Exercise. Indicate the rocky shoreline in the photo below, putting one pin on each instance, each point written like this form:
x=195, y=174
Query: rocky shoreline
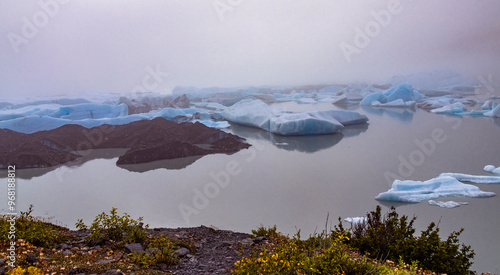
x=212, y=251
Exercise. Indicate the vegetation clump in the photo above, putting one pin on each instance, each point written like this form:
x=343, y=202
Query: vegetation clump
x=392, y=237
x=33, y=230
x=106, y=227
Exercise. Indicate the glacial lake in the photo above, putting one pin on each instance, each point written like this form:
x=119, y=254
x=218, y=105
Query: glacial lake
x=291, y=182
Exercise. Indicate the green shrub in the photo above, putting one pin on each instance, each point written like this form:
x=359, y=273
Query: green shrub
x=392, y=237
x=162, y=251
x=323, y=253
x=114, y=227
x=33, y=230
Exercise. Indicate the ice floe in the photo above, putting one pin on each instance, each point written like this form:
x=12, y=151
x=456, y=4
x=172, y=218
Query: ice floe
x=472, y=178
x=490, y=168
x=442, y=186
x=258, y=114
x=494, y=112
x=453, y=108
x=447, y=204
x=355, y=220
x=398, y=96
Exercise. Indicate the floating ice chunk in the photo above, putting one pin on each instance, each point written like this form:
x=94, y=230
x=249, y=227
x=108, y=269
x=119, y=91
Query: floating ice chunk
x=90, y=110
x=394, y=103
x=355, y=220
x=34, y=124
x=494, y=113
x=472, y=178
x=442, y=186
x=454, y=108
x=256, y=113
x=339, y=100
x=71, y=112
x=395, y=96
x=250, y=112
x=42, y=110
x=303, y=124
x=489, y=168
x=447, y=204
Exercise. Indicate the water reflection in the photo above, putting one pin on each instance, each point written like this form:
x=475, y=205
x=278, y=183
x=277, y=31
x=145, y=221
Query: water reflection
x=87, y=156
x=402, y=114
x=169, y=164
x=306, y=144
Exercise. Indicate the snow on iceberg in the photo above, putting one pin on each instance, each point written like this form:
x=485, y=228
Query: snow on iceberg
x=442, y=186
x=447, y=204
x=472, y=178
x=258, y=114
x=398, y=96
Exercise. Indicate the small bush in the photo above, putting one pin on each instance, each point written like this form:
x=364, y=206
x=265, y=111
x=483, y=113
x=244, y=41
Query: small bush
x=392, y=237
x=323, y=253
x=33, y=230
x=162, y=251
x=114, y=227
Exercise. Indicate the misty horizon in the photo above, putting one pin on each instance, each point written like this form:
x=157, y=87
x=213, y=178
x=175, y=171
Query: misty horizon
x=54, y=47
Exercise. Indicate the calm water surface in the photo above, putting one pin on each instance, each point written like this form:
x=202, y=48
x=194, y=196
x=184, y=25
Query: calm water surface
x=292, y=182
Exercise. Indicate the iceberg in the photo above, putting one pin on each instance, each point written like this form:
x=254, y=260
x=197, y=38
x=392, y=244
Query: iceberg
x=472, y=178
x=492, y=169
x=32, y=124
x=71, y=112
x=493, y=113
x=355, y=220
x=453, y=108
x=442, y=186
x=256, y=113
x=399, y=96
x=447, y=204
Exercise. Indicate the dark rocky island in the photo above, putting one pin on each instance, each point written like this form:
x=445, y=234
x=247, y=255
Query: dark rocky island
x=146, y=141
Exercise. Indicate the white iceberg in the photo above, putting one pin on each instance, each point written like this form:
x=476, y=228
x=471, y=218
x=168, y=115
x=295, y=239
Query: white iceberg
x=399, y=96
x=447, y=204
x=492, y=169
x=442, y=186
x=258, y=114
x=493, y=113
x=355, y=220
x=453, y=108
x=472, y=178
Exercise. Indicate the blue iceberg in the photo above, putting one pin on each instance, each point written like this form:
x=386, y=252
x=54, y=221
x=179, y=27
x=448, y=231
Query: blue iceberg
x=256, y=113
x=399, y=96
x=442, y=186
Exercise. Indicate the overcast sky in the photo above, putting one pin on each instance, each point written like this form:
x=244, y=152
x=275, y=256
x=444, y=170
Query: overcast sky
x=50, y=47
